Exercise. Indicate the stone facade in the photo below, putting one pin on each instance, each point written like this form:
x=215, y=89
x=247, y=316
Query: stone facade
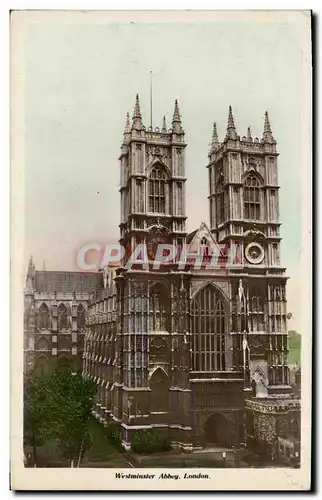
x=192, y=349
x=55, y=318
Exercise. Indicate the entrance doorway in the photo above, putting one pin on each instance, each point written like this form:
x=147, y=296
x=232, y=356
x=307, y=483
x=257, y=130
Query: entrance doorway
x=218, y=431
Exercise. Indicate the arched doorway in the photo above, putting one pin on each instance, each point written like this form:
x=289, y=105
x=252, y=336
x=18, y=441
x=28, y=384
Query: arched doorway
x=218, y=431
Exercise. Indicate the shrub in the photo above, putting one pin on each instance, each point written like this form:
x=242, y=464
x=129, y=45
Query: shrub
x=113, y=435
x=150, y=441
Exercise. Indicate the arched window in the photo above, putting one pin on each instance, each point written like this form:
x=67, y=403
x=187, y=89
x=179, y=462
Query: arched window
x=42, y=365
x=62, y=317
x=158, y=309
x=63, y=343
x=256, y=308
x=42, y=344
x=43, y=316
x=80, y=317
x=251, y=198
x=157, y=182
x=204, y=247
x=208, y=321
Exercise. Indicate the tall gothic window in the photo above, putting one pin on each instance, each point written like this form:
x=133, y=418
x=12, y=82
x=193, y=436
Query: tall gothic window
x=158, y=309
x=62, y=317
x=43, y=316
x=256, y=308
x=80, y=317
x=252, y=198
x=157, y=191
x=220, y=202
x=208, y=321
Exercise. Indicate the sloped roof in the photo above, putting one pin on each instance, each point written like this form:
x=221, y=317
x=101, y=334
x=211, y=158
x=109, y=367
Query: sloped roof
x=190, y=236
x=67, y=281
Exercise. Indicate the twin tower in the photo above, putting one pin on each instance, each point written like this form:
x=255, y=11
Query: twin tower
x=243, y=187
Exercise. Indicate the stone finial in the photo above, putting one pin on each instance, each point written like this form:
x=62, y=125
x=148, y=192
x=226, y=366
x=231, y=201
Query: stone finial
x=137, y=117
x=231, y=129
x=267, y=134
x=164, y=125
x=249, y=134
x=176, y=113
x=214, y=140
x=127, y=128
x=137, y=110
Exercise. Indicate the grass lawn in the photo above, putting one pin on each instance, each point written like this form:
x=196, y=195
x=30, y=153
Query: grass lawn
x=118, y=462
x=182, y=461
x=101, y=448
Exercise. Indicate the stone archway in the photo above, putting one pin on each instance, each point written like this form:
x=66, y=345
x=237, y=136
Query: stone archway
x=218, y=431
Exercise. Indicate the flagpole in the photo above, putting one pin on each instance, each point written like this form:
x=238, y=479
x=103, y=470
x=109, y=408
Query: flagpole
x=151, y=123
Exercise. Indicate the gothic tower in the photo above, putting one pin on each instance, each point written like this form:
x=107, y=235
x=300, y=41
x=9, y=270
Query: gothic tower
x=244, y=215
x=152, y=182
x=152, y=386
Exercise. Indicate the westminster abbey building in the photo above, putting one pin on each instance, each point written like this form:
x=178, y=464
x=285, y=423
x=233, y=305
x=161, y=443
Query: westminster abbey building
x=195, y=349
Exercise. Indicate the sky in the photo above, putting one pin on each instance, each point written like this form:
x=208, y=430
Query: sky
x=81, y=79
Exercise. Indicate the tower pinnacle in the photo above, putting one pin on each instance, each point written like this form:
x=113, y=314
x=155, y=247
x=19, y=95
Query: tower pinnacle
x=231, y=129
x=137, y=117
x=214, y=140
x=164, y=125
x=249, y=134
x=267, y=134
x=127, y=128
x=176, y=113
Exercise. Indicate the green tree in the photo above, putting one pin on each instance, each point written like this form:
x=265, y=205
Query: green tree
x=70, y=407
x=36, y=421
x=58, y=407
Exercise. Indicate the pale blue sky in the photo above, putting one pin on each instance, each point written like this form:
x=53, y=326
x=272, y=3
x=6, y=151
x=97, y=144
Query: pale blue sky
x=82, y=79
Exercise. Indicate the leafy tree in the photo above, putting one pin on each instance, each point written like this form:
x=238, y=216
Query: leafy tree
x=58, y=407
x=70, y=406
x=36, y=422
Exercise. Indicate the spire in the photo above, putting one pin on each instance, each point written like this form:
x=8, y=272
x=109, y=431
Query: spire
x=137, y=111
x=127, y=128
x=176, y=113
x=137, y=117
x=249, y=134
x=164, y=125
x=231, y=129
x=267, y=134
x=214, y=141
x=31, y=265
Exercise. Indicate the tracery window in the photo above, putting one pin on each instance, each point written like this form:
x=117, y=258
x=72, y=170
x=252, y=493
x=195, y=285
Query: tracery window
x=62, y=317
x=252, y=198
x=158, y=309
x=157, y=182
x=81, y=317
x=256, y=308
x=220, y=202
x=208, y=320
x=43, y=316
x=204, y=246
